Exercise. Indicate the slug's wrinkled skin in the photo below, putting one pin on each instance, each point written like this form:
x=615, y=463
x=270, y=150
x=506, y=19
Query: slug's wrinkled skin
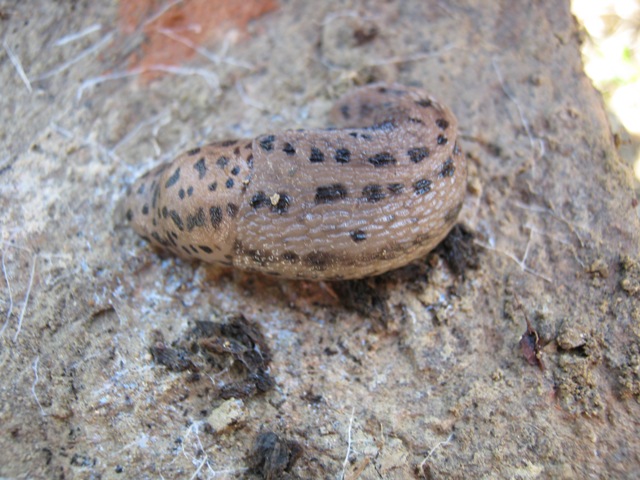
x=380, y=191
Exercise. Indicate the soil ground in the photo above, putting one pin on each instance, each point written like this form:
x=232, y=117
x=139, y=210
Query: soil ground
x=121, y=362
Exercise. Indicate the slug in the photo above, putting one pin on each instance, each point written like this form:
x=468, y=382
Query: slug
x=376, y=193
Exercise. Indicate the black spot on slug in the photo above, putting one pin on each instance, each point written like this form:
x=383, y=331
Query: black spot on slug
x=416, y=155
x=205, y=249
x=283, y=203
x=181, y=193
x=215, y=213
x=229, y=183
x=189, y=191
x=330, y=193
x=358, y=236
x=129, y=215
x=442, y=140
x=222, y=162
x=416, y=120
x=343, y=155
x=266, y=143
x=235, y=170
x=422, y=186
x=373, y=193
x=344, y=110
x=173, y=179
x=447, y=169
x=232, y=210
x=165, y=212
x=382, y=159
x=395, y=188
x=288, y=149
x=316, y=155
x=140, y=189
x=442, y=124
x=201, y=168
x=193, y=151
x=145, y=209
x=213, y=186
x=259, y=200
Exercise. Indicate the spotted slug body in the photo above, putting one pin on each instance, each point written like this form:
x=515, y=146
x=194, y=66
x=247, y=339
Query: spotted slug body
x=380, y=191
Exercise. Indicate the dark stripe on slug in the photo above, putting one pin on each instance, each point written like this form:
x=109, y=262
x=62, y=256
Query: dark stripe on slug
x=330, y=193
x=316, y=155
x=140, y=189
x=201, y=168
x=382, y=159
x=416, y=155
x=373, y=193
x=196, y=220
x=194, y=151
x=173, y=179
x=266, y=143
x=426, y=103
x=422, y=186
x=452, y=214
x=212, y=186
x=205, y=249
x=175, y=216
x=318, y=260
x=228, y=143
x=289, y=257
x=232, y=209
x=215, y=213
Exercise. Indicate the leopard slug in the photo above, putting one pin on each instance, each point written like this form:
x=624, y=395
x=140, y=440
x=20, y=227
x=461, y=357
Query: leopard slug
x=381, y=190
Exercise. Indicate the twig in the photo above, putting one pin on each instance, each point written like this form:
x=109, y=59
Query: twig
x=438, y=445
x=26, y=298
x=210, y=77
x=346, y=457
x=18, y=66
x=33, y=385
x=520, y=263
x=216, y=59
x=523, y=119
x=72, y=37
x=61, y=68
x=160, y=12
x=6, y=277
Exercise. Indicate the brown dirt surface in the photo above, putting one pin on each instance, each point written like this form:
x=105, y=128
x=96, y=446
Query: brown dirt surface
x=121, y=362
